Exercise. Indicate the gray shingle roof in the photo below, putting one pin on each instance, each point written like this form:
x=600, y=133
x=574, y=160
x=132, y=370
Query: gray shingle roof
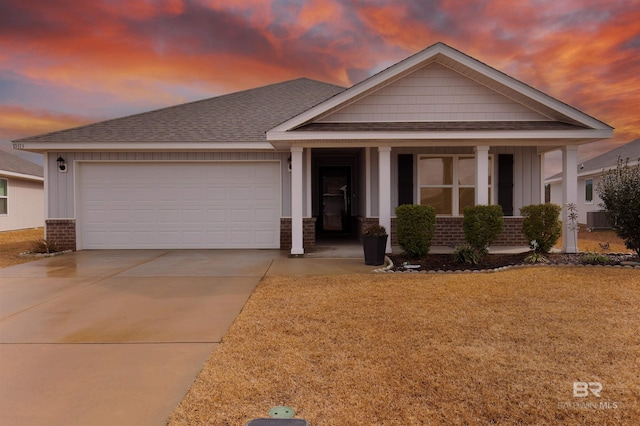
x=236, y=117
x=15, y=164
x=629, y=151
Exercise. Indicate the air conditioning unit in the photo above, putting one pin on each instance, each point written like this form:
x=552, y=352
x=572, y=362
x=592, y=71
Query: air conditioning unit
x=597, y=220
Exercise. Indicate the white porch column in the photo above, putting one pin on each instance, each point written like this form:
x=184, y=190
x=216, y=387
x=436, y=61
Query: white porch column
x=569, y=195
x=482, y=174
x=384, y=191
x=296, y=201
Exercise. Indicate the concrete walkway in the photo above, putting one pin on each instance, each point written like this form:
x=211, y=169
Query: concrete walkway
x=117, y=337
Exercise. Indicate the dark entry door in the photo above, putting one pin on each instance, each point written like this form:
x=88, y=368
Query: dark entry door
x=505, y=183
x=335, y=199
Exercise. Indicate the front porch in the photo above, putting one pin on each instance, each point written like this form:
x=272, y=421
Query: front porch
x=438, y=128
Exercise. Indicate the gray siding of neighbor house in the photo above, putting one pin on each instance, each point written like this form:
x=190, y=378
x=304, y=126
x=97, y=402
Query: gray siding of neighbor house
x=61, y=185
x=583, y=206
x=25, y=204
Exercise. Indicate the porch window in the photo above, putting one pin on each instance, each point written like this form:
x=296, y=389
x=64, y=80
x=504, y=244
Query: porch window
x=447, y=183
x=588, y=190
x=3, y=196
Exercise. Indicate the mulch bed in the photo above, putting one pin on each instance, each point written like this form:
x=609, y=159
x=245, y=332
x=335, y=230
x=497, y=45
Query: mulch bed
x=444, y=262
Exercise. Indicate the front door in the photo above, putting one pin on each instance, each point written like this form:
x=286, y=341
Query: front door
x=335, y=199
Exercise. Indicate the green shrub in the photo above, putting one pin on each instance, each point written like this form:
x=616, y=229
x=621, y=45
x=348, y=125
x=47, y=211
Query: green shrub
x=482, y=225
x=619, y=190
x=466, y=254
x=415, y=227
x=593, y=258
x=542, y=224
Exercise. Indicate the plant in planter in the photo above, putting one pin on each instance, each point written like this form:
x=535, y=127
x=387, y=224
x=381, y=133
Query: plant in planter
x=374, y=243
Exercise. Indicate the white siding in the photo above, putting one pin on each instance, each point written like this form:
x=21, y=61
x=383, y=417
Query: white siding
x=434, y=93
x=25, y=204
x=61, y=185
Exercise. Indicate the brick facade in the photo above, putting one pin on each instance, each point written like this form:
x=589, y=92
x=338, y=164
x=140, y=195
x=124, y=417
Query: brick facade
x=308, y=232
x=449, y=231
x=62, y=233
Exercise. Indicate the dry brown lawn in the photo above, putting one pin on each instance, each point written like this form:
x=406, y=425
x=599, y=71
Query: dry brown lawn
x=12, y=243
x=416, y=349
x=590, y=241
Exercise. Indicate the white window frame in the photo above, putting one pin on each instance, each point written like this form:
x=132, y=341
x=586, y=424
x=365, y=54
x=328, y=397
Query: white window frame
x=6, y=196
x=586, y=200
x=455, y=186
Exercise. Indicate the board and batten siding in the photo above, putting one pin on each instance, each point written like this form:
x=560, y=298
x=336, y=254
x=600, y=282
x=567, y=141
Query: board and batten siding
x=25, y=204
x=434, y=93
x=61, y=185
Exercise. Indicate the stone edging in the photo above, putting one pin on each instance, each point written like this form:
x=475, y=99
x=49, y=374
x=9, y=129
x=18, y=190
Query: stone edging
x=57, y=253
x=387, y=269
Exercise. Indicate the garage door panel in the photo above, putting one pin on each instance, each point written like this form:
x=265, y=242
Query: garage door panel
x=174, y=205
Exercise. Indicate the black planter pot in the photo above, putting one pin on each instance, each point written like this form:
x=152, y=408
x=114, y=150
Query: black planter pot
x=374, y=248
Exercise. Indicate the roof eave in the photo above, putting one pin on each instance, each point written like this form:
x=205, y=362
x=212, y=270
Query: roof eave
x=584, y=136
x=42, y=147
x=6, y=173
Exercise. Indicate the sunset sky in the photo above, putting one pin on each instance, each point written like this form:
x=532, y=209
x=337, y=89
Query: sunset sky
x=65, y=63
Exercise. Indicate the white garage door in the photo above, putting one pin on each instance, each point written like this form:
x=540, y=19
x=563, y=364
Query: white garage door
x=178, y=205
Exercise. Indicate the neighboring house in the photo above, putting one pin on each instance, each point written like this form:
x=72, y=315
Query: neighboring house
x=21, y=193
x=282, y=165
x=589, y=174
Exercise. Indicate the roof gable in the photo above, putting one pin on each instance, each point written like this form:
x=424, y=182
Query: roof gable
x=453, y=60
x=434, y=93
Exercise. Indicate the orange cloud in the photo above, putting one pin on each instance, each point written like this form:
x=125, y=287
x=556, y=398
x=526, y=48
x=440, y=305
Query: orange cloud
x=163, y=52
x=16, y=122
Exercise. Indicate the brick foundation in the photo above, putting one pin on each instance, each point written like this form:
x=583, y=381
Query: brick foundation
x=62, y=233
x=449, y=231
x=308, y=232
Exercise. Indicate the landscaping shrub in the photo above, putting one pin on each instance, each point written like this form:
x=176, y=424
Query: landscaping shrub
x=542, y=224
x=593, y=258
x=482, y=225
x=467, y=255
x=43, y=246
x=619, y=190
x=416, y=226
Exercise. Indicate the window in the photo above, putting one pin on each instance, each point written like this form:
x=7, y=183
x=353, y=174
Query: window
x=447, y=183
x=588, y=190
x=3, y=196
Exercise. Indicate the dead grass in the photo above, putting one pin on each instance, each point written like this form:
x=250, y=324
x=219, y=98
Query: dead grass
x=12, y=243
x=429, y=349
x=590, y=241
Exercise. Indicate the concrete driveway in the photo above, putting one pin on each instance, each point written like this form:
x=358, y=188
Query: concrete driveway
x=115, y=337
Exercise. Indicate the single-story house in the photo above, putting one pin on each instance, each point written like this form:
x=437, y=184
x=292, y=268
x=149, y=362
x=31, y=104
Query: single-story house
x=282, y=165
x=21, y=193
x=589, y=175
